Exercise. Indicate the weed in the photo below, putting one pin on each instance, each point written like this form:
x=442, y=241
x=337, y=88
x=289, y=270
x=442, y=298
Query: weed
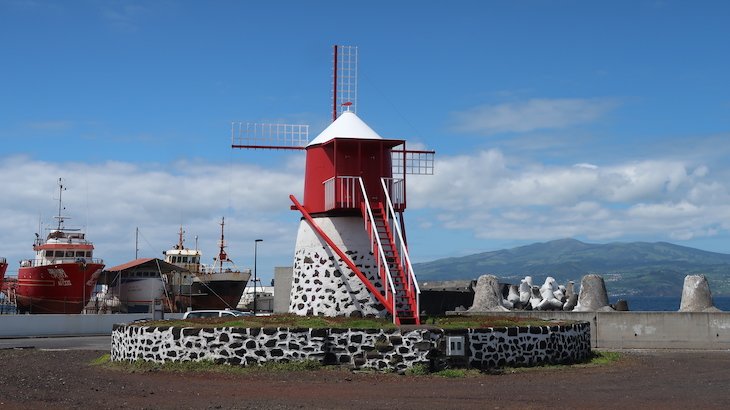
x=419, y=369
x=457, y=373
x=102, y=360
x=600, y=358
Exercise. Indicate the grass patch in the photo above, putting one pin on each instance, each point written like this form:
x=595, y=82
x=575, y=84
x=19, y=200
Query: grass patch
x=457, y=373
x=279, y=320
x=480, y=322
x=203, y=366
x=598, y=358
x=102, y=360
x=418, y=370
x=322, y=322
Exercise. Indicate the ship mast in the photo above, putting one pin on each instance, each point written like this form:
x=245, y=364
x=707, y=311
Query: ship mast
x=61, y=188
x=222, y=256
x=180, y=239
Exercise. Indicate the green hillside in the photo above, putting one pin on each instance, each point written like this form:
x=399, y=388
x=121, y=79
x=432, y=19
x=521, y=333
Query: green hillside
x=656, y=269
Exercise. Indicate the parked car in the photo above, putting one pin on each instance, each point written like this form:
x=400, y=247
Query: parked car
x=194, y=314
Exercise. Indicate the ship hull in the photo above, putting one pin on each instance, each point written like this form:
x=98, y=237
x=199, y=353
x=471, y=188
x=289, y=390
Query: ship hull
x=57, y=288
x=212, y=294
x=3, y=268
x=136, y=295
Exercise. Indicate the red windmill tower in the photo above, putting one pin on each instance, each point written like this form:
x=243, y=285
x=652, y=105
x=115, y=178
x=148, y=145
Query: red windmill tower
x=351, y=255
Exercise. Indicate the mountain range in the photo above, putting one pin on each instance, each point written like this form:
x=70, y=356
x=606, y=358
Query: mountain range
x=636, y=268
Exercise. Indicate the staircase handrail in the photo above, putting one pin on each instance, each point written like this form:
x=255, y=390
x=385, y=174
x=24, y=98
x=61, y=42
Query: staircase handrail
x=402, y=246
x=382, y=260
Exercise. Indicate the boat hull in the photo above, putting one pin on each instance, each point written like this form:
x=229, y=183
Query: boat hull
x=212, y=294
x=136, y=295
x=57, y=288
x=3, y=268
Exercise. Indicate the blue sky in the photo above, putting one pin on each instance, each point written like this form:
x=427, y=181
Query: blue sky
x=602, y=121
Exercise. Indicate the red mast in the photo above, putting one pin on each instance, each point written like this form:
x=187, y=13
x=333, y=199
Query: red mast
x=222, y=256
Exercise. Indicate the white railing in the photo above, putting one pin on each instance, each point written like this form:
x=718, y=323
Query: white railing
x=43, y=262
x=342, y=192
x=381, y=262
x=348, y=192
x=395, y=187
x=390, y=217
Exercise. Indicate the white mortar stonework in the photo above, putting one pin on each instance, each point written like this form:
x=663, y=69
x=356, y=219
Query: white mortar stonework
x=322, y=284
x=528, y=345
x=380, y=349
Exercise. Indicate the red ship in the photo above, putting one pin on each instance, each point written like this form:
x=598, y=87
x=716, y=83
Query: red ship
x=3, y=268
x=63, y=274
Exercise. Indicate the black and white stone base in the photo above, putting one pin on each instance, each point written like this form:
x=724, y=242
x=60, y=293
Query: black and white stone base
x=322, y=284
x=380, y=349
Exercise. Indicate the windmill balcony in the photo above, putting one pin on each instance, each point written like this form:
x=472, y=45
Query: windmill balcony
x=344, y=192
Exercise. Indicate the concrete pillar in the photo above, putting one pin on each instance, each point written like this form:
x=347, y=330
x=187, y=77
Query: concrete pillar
x=696, y=295
x=593, y=295
x=487, y=297
x=282, y=288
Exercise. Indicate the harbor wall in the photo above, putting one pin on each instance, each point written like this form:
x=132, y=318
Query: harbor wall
x=12, y=326
x=644, y=330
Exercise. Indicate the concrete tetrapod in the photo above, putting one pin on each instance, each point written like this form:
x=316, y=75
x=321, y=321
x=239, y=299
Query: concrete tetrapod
x=696, y=295
x=593, y=295
x=487, y=297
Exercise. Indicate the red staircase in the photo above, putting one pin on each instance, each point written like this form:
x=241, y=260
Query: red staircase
x=391, y=267
x=399, y=292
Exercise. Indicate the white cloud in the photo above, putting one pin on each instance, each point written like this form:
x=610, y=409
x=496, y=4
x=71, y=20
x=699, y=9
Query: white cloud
x=111, y=199
x=124, y=15
x=530, y=115
x=497, y=197
x=485, y=195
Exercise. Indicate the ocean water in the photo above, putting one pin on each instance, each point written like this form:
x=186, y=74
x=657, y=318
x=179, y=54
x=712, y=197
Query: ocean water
x=664, y=303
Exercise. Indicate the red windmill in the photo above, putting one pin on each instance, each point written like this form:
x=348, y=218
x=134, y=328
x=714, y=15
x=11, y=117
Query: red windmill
x=351, y=256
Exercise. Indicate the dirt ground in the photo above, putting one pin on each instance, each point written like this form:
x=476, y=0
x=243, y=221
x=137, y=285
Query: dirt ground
x=33, y=378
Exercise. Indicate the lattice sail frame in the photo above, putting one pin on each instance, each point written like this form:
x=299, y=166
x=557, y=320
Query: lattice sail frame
x=411, y=162
x=344, y=90
x=256, y=135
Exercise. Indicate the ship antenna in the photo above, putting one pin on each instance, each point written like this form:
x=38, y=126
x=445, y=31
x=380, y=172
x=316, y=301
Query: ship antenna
x=180, y=239
x=136, y=243
x=61, y=188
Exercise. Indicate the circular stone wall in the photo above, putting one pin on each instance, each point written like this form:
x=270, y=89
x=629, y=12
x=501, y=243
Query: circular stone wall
x=382, y=349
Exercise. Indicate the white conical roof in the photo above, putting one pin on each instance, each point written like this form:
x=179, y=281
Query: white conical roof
x=347, y=125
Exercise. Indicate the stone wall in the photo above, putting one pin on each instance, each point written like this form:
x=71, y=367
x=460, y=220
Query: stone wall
x=322, y=284
x=380, y=349
x=528, y=345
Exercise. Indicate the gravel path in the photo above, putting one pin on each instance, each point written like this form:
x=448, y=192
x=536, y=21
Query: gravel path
x=33, y=378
